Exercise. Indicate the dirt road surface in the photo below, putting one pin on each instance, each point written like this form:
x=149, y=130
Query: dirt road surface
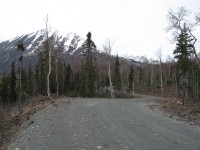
x=108, y=124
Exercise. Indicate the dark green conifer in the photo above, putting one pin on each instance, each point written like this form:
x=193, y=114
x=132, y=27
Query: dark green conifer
x=130, y=80
x=82, y=78
x=30, y=83
x=13, y=94
x=183, y=51
x=117, y=76
x=90, y=68
x=68, y=79
x=21, y=48
x=182, y=54
x=4, y=90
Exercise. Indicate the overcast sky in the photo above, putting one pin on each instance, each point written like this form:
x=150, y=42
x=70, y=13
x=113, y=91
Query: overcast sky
x=136, y=26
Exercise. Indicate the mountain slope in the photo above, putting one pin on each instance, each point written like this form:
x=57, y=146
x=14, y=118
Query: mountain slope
x=33, y=43
x=70, y=50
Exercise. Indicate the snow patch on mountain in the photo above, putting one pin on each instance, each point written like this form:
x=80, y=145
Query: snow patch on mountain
x=38, y=34
x=70, y=42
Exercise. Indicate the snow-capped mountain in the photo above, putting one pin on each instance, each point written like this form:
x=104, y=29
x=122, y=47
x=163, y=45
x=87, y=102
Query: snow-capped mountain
x=70, y=43
x=70, y=50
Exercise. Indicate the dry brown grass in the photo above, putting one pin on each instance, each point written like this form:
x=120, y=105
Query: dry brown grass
x=189, y=112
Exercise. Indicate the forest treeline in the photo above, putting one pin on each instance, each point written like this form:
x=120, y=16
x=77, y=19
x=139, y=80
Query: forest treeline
x=178, y=76
x=88, y=80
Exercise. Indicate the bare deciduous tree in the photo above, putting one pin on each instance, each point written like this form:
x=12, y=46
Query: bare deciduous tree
x=159, y=55
x=56, y=52
x=153, y=62
x=108, y=48
x=197, y=18
x=49, y=55
x=56, y=61
x=177, y=22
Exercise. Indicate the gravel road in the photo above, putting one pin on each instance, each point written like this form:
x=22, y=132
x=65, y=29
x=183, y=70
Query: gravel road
x=108, y=124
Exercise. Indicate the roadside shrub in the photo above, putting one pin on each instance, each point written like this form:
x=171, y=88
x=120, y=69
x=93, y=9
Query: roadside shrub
x=121, y=94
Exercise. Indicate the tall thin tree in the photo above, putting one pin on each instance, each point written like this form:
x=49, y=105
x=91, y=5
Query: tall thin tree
x=89, y=53
x=13, y=94
x=108, y=48
x=49, y=56
x=117, y=76
x=159, y=55
x=131, y=82
x=21, y=48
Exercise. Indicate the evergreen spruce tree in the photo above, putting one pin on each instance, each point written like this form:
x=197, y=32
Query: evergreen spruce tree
x=182, y=55
x=23, y=85
x=8, y=89
x=52, y=80
x=0, y=91
x=77, y=84
x=37, y=79
x=42, y=72
x=4, y=90
x=82, y=83
x=90, y=69
x=21, y=48
x=13, y=94
x=117, y=76
x=68, y=79
x=30, y=83
x=183, y=51
x=61, y=77
x=130, y=80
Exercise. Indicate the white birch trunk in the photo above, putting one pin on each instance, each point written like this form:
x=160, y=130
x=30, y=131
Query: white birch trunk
x=108, y=47
x=49, y=54
x=161, y=78
x=110, y=80
x=48, y=75
x=57, y=88
x=159, y=54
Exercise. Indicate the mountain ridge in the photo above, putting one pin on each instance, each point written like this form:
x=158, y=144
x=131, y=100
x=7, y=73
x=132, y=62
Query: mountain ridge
x=70, y=50
x=70, y=44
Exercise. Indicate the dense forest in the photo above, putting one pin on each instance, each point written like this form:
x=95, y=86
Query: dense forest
x=178, y=76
